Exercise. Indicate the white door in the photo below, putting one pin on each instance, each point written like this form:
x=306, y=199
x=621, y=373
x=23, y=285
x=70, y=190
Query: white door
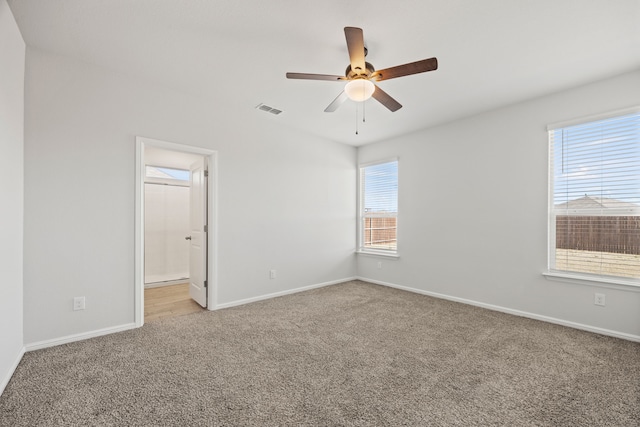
x=198, y=224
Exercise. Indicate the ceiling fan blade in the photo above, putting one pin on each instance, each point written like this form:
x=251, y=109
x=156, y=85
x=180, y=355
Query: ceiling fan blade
x=336, y=102
x=406, y=69
x=355, y=45
x=385, y=99
x=306, y=76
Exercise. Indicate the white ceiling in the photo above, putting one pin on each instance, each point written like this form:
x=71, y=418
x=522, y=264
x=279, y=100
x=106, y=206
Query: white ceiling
x=491, y=52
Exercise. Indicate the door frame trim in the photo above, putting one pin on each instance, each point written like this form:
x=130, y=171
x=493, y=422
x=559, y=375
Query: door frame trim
x=212, y=221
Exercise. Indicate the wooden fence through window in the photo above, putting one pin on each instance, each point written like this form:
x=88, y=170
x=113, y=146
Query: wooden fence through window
x=380, y=232
x=615, y=234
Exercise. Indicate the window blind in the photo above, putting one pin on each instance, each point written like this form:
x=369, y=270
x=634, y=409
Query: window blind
x=379, y=206
x=595, y=197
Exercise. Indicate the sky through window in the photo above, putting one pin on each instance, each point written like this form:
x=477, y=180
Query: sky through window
x=598, y=159
x=381, y=188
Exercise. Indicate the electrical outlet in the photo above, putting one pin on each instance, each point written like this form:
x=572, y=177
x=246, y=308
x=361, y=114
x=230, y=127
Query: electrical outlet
x=272, y=274
x=78, y=303
x=599, y=300
x=379, y=264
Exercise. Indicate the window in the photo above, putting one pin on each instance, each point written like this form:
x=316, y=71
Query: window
x=594, y=221
x=378, y=226
x=167, y=176
x=167, y=173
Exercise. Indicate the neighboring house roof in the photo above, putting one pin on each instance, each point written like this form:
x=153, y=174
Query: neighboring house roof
x=588, y=202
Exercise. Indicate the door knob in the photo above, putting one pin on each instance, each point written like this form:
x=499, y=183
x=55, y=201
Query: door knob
x=187, y=238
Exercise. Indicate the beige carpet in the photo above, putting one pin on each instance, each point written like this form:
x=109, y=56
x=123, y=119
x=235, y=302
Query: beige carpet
x=353, y=354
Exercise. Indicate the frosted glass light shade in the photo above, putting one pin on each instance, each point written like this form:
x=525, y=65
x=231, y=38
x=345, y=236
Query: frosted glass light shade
x=359, y=90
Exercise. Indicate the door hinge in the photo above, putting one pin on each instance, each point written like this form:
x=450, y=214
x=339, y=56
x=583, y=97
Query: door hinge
x=206, y=229
x=206, y=172
x=205, y=284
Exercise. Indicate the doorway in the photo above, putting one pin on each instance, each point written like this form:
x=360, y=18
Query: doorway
x=175, y=229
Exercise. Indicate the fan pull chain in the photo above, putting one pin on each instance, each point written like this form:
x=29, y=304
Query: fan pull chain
x=356, y=118
x=363, y=102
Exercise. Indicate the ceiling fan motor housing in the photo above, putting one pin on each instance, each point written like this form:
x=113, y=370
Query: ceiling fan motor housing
x=359, y=73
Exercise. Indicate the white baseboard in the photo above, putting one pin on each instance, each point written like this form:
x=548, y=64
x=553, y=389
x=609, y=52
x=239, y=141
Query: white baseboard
x=78, y=337
x=279, y=294
x=165, y=283
x=575, y=325
x=12, y=369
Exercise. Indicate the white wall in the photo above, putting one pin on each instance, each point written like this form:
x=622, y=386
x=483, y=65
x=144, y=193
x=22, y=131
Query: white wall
x=473, y=201
x=12, y=57
x=473, y=210
x=286, y=201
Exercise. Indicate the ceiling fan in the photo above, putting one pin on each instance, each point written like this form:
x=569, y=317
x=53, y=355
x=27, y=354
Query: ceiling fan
x=360, y=75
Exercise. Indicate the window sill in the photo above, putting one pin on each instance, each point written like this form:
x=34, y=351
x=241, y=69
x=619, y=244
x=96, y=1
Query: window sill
x=632, y=285
x=378, y=254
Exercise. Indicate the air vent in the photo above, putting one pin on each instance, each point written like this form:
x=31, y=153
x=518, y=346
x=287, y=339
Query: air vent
x=268, y=109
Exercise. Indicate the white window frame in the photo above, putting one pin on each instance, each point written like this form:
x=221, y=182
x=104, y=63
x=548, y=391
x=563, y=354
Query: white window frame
x=361, y=249
x=614, y=282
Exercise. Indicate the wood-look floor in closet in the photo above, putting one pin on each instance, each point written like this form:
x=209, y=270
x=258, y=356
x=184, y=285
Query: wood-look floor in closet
x=168, y=301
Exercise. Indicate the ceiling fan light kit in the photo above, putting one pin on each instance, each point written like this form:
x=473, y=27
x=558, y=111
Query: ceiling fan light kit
x=360, y=75
x=359, y=90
